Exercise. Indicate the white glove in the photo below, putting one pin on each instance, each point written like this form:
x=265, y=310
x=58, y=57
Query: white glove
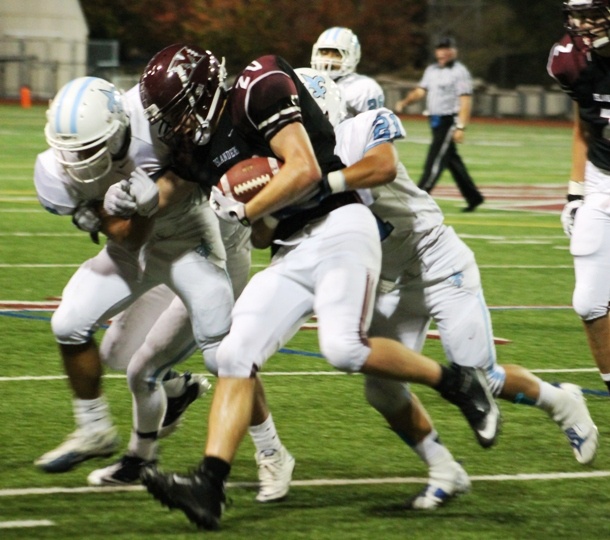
x=145, y=192
x=228, y=209
x=568, y=215
x=118, y=201
x=87, y=219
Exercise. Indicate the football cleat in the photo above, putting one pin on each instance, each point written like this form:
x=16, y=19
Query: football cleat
x=79, y=446
x=197, y=495
x=572, y=416
x=445, y=483
x=195, y=386
x=124, y=472
x=470, y=392
x=274, y=474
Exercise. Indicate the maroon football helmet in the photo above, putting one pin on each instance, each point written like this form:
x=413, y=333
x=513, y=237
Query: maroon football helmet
x=588, y=19
x=183, y=88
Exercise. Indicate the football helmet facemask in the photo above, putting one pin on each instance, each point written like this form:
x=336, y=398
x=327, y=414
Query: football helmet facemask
x=182, y=87
x=345, y=43
x=326, y=92
x=86, y=126
x=588, y=19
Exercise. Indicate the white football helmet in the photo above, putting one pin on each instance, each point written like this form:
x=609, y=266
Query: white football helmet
x=326, y=92
x=86, y=127
x=339, y=39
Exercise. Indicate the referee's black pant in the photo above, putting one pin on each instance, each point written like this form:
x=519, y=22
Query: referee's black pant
x=442, y=154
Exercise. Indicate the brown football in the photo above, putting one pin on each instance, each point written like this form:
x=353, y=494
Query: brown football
x=245, y=179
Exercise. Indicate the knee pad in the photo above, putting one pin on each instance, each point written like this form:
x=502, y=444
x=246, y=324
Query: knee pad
x=67, y=329
x=233, y=358
x=386, y=396
x=348, y=355
x=588, y=305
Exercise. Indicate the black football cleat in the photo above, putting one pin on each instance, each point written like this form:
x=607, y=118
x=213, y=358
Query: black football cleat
x=197, y=495
x=469, y=391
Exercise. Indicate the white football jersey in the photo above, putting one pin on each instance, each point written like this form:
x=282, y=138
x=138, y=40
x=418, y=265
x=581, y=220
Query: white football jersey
x=411, y=212
x=60, y=194
x=361, y=93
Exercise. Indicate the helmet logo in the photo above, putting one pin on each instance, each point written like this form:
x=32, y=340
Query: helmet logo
x=184, y=62
x=316, y=85
x=114, y=105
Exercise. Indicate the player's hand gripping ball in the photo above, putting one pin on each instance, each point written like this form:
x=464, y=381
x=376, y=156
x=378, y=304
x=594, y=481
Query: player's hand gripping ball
x=245, y=179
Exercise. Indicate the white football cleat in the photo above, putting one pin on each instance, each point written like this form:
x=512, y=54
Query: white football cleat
x=445, y=483
x=274, y=474
x=79, y=446
x=572, y=416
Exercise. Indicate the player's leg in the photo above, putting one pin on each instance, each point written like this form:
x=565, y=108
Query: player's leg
x=458, y=307
x=590, y=247
x=95, y=292
x=345, y=278
x=405, y=319
x=268, y=313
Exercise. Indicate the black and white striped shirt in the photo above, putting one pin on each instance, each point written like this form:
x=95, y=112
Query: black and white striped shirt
x=444, y=86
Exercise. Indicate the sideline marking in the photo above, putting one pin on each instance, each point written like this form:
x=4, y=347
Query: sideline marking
x=519, y=477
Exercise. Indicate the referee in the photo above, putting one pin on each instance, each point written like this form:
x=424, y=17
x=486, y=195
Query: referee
x=447, y=85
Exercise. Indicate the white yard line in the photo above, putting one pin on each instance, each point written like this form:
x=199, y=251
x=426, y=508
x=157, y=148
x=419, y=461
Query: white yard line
x=322, y=482
x=28, y=523
x=34, y=378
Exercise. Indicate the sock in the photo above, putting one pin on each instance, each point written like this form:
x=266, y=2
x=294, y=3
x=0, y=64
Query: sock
x=431, y=451
x=92, y=414
x=215, y=468
x=265, y=437
x=549, y=397
x=448, y=380
x=606, y=379
x=143, y=445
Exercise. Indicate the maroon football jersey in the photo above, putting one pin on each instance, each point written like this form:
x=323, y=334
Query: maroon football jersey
x=585, y=77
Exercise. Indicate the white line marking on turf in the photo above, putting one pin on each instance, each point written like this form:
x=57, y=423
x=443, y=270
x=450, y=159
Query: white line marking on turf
x=279, y=374
x=39, y=265
x=26, y=523
x=519, y=477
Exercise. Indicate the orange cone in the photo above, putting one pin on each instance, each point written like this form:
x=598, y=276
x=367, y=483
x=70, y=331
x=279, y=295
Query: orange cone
x=26, y=97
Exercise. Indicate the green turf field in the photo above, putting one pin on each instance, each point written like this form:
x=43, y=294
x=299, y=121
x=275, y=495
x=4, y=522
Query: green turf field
x=352, y=473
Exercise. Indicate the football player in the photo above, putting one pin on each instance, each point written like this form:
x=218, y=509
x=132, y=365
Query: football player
x=428, y=273
x=580, y=63
x=337, y=52
x=325, y=244
x=99, y=136
x=95, y=140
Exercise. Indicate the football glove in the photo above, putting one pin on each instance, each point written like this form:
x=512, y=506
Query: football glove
x=228, y=209
x=118, y=201
x=145, y=192
x=568, y=215
x=87, y=219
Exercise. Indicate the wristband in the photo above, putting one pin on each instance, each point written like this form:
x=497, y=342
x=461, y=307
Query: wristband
x=460, y=127
x=336, y=181
x=576, y=190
